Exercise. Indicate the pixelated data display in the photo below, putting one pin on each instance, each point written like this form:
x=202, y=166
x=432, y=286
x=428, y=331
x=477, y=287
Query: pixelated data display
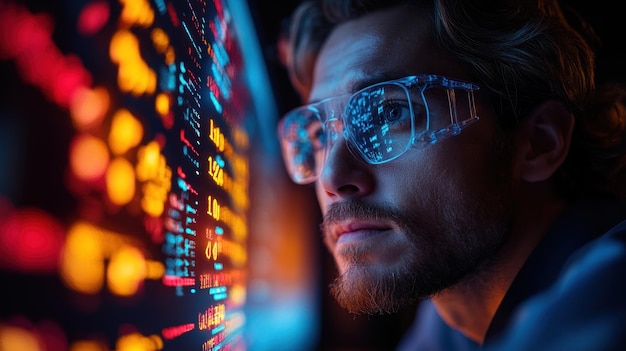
x=153, y=253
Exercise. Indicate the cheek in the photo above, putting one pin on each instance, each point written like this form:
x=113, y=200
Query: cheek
x=438, y=173
x=421, y=169
x=411, y=184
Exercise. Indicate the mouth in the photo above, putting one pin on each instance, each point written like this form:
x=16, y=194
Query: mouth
x=348, y=230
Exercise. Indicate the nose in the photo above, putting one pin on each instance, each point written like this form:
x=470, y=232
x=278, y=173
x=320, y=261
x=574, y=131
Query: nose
x=343, y=174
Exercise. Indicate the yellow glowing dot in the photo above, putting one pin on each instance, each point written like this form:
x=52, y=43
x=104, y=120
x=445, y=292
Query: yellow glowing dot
x=138, y=342
x=130, y=75
x=134, y=75
x=123, y=46
x=89, y=157
x=149, y=157
x=156, y=340
x=15, y=338
x=120, y=181
x=130, y=11
x=154, y=270
x=160, y=39
x=88, y=345
x=238, y=294
x=82, y=266
x=153, y=200
x=137, y=12
x=127, y=270
x=89, y=107
x=170, y=56
x=149, y=82
x=126, y=132
x=162, y=104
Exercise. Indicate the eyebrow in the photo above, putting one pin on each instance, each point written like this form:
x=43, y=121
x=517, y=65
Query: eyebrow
x=371, y=79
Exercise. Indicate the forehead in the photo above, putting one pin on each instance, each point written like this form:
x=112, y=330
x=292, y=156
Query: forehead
x=384, y=45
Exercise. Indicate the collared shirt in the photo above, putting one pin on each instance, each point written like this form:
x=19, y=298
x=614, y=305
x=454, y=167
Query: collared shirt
x=569, y=295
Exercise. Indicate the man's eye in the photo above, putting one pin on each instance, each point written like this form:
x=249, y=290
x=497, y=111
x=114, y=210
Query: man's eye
x=394, y=112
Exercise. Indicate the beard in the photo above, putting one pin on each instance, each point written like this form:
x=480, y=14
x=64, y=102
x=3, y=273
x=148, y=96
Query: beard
x=449, y=240
x=439, y=256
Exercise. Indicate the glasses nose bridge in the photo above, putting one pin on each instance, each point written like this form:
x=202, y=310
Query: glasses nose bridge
x=334, y=129
x=334, y=111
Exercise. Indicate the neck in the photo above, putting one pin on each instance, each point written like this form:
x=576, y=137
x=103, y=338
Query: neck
x=470, y=305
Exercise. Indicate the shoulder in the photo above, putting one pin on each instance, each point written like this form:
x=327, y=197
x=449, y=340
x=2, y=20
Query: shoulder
x=597, y=269
x=607, y=251
x=584, y=308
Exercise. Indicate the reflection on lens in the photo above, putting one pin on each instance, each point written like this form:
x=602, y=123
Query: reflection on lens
x=379, y=122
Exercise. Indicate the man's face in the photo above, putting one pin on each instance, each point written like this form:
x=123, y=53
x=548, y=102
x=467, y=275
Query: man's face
x=406, y=229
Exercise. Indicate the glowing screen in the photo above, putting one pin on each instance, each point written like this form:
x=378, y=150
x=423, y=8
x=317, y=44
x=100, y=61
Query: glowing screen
x=138, y=236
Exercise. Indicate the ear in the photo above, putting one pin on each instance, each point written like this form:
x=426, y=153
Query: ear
x=544, y=139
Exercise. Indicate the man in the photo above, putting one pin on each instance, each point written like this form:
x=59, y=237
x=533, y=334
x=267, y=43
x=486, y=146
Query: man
x=462, y=156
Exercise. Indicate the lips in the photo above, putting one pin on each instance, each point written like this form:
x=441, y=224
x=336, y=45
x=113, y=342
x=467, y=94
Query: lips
x=357, y=227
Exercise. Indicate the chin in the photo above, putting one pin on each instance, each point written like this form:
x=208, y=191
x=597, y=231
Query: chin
x=373, y=288
x=373, y=259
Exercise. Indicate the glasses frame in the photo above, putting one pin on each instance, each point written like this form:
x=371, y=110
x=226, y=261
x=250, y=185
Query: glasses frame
x=333, y=120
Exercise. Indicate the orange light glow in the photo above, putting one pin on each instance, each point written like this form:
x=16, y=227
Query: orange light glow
x=88, y=345
x=152, y=201
x=236, y=221
x=126, y=271
x=138, y=12
x=82, y=266
x=162, y=104
x=126, y=132
x=86, y=252
x=160, y=39
x=238, y=294
x=89, y=107
x=89, y=157
x=170, y=56
x=124, y=46
x=120, y=181
x=149, y=161
x=20, y=333
x=138, y=342
x=15, y=338
x=134, y=75
x=154, y=270
x=214, y=249
x=156, y=176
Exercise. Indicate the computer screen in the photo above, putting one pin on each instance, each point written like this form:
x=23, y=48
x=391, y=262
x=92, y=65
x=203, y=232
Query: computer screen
x=142, y=195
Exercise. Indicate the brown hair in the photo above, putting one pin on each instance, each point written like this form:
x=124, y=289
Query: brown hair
x=522, y=52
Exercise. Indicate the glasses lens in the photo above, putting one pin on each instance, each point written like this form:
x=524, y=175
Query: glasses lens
x=303, y=140
x=378, y=122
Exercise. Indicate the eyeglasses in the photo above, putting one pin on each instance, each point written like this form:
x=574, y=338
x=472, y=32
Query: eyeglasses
x=379, y=123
